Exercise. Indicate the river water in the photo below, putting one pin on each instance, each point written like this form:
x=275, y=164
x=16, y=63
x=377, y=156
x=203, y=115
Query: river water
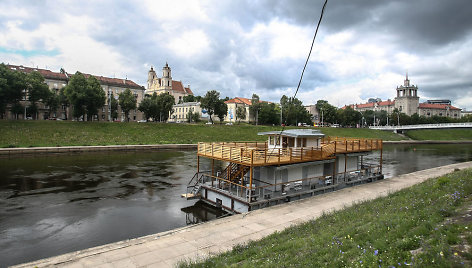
x=50, y=205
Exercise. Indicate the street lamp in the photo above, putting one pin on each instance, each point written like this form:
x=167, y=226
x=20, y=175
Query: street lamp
x=322, y=122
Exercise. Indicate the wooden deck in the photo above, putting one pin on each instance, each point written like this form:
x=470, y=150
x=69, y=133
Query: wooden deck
x=257, y=153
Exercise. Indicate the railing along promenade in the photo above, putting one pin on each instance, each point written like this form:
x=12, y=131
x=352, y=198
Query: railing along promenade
x=258, y=154
x=424, y=126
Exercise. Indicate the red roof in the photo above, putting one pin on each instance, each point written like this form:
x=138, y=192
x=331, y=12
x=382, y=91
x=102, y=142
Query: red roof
x=246, y=101
x=437, y=106
x=179, y=87
x=47, y=74
x=371, y=104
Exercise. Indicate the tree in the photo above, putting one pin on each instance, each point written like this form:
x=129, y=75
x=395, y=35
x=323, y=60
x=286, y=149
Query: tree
x=349, y=117
x=17, y=109
x=165, y=102
x=95, y=97
x=293, y=111
x=240, y=113
x=255, y=107
x=12, y=87
x=127, y=102
x=147, y=107
x=269, y=114
x=37, y=91
x=113, y=108
x=76, y=94
x=327, y=111
x=189, y=98
x=210, y=102
x=64, y=101
x=221, y=110
x=52, y=102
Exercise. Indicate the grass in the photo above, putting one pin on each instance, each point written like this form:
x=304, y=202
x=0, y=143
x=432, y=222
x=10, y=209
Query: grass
x=440, y=134
x=427, y=225
x=66, y=133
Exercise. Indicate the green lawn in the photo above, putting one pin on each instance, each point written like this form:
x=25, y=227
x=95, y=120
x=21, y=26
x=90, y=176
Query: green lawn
x=427, y=225
x=440, y=134
x=66, y=133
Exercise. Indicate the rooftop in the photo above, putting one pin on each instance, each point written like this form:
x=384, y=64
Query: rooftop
x=296, y=133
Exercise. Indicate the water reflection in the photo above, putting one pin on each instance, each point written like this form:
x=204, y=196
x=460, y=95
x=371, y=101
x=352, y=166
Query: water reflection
x=51, y=205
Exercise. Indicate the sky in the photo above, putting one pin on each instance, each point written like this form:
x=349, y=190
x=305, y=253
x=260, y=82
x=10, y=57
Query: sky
x=363, y=48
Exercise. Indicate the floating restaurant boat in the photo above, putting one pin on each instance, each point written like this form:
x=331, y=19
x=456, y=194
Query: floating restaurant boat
x=290, y=165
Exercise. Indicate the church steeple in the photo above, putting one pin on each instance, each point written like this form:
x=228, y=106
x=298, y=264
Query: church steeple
x=406, y=83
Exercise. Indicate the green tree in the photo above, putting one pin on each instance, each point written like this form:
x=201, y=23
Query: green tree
x=165, y=102
x=240, y=113
x=12, y=87
x=210, y=102
x=349, y=116
x=221, y=110
x=37, y=91
x=113, y=108
x=189, y=98
x=53, y=102
x=127, y=102
x=95, y=97
x=17, y=109
x=76, y=93
x=293, y=111
x=255, y=107
x=327, y=111
x=269, y=114
x=148, y=107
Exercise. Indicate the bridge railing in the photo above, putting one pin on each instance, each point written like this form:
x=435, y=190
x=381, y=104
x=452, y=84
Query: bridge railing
x=421, y=126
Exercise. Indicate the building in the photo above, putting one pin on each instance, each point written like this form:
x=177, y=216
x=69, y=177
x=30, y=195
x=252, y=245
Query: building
x=58, y=80
x=233, y=105
x=407, y=102
x=165, y=84
x=315, y=114
x=181, y=111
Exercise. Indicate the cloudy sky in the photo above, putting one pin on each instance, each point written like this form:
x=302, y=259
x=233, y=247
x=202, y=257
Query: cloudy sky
x=363, y=48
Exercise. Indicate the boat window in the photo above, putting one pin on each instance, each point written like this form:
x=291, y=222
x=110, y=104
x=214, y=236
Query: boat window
x=277, y=140
x=271, y=140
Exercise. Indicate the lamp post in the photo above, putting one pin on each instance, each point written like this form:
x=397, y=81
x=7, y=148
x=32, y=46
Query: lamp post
x=322, y=122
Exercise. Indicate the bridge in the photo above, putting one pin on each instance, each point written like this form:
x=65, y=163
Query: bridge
x=400, y=129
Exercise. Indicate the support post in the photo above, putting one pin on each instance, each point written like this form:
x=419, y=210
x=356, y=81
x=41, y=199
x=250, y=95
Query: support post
x=198, y=163
x=381, y=152
x=250, y=183
x=345, y=166
x=212, y=171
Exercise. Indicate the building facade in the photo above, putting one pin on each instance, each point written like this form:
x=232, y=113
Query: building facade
x=165, y=84
x=407, y=102
x=180, y=112
x=233, y=105
x=58, y=80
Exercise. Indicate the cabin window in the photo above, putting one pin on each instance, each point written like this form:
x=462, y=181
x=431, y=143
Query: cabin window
x=271, y=140
x=277, y=140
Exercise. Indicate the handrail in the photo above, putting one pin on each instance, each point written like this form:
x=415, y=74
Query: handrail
x=257, y=153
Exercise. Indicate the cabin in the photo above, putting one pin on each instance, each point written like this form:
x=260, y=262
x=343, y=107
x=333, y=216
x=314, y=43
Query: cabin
x=292, y=164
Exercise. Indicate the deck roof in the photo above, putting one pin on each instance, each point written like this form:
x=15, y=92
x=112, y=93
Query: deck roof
x=296, y=133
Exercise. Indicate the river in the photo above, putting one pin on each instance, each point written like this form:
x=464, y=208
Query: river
x=50, y=205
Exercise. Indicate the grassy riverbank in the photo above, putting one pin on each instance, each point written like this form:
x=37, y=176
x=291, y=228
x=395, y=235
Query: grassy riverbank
x=440, y=134
x=427, y=225
x=64, y=133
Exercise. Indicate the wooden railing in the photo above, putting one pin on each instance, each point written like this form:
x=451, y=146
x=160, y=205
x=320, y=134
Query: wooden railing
x=257, y=153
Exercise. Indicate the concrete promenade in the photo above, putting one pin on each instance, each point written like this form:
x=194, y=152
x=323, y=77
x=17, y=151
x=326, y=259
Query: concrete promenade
x=198, y=241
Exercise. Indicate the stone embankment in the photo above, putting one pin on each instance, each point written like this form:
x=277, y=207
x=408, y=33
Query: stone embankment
x=81, y=149
x=199, y=241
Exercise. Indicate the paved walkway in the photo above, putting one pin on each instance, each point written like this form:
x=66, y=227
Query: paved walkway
x=198, y=241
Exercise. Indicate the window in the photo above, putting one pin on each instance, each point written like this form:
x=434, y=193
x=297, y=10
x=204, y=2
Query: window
x=271, y=140
x=440, y=114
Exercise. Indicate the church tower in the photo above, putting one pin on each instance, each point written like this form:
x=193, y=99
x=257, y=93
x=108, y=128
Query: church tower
x=151, y=78
x=166, y=80
x=407, y=100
